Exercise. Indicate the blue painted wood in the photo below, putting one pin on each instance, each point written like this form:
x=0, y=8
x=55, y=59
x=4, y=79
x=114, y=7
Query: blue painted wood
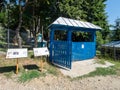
x=51, y=42
x=69, y=50
x=64, y=52
x=61, y=54
x=94, y=37
x=83, y=50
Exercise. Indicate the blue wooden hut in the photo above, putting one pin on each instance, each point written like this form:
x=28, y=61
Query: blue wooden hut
x=65, y=50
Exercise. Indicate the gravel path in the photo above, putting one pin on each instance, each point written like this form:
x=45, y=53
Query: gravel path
x=62, y=83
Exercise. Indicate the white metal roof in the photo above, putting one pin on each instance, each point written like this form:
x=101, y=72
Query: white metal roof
x=112, y=44
x=75, y=23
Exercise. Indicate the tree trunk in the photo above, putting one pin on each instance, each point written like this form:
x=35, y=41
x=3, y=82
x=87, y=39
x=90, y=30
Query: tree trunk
x=18, y=38
x=35, y=43
x=36, y=25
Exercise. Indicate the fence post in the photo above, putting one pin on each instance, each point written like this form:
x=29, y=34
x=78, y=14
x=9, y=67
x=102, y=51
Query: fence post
x=51, y=43
x=69, y=40
x=114, y=52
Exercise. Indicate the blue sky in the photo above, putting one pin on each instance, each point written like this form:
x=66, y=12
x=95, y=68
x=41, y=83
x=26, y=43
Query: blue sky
x=113, y=10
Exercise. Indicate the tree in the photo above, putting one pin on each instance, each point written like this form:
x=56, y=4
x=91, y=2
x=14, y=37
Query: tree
x=95, y=11
x=1, y=4
x=21, y=8
x=12, y=16
x=3, y=23
x=2, y=36
x=3, y=13
x=88, y=10
x=39, y=12
x=116, y=32
x=72, y=9
x=36, y=14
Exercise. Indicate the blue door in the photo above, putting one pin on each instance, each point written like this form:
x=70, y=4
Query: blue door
x=61, y=54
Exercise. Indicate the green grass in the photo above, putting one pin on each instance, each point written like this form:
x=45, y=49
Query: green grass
x=9, y=74
x=23, y=75
x=31, y=54
x=116, y=66
x=99, y=72
x=98, y=52
x=102, y=72
x=3, y=49
x=115, y=62
x=29, y=75
x=113, y=70
x=52, y=70
x=100, y=61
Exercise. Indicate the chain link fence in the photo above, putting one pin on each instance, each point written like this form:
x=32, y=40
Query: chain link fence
x=111, y=50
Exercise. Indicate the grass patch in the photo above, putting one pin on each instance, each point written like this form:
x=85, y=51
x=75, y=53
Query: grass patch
x=100, y=61
x=29, y=75
x=2, y=49
x=30, y=54
x=99, y=72
x=116, y=66
x=102, y=72
x=51, y=69
x=115, y=62
x=9, y=74
x=98, y=52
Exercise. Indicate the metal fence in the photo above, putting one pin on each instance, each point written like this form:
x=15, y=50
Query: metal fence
x=111, y=52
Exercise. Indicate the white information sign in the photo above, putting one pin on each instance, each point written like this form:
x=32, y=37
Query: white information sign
x=82, y=45
x=41, y=51
x=17, y=53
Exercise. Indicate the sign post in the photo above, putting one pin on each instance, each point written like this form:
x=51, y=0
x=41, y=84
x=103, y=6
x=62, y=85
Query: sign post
x=41, y=64
x=41, y=52
x=17, y=66
x=16, y=54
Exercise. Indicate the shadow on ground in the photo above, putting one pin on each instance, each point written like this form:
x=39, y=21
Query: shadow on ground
x=31, y=67
x=7, y=69
x=13, y=68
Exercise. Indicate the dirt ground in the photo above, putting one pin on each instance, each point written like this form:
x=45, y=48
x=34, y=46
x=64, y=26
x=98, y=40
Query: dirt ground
x=60, y=82
x=51, y=82
x=81, y=68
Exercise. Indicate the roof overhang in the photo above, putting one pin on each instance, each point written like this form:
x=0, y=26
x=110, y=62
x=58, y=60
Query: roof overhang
x=70, y=23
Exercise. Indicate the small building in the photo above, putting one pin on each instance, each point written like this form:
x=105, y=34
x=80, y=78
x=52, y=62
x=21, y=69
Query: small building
x=63, y=45
x=41, y=43
x=111, y=50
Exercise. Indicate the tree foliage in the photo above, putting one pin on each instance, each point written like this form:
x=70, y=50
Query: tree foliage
x=116, y=32
x=88, y=10
x=41, y=13
x=72, y=9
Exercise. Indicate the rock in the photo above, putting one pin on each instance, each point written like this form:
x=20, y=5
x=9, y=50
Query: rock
x=99, y=80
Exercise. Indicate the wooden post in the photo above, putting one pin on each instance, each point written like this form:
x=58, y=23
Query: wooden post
x=17, y=66
x=114, y=52
x=41, y=64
